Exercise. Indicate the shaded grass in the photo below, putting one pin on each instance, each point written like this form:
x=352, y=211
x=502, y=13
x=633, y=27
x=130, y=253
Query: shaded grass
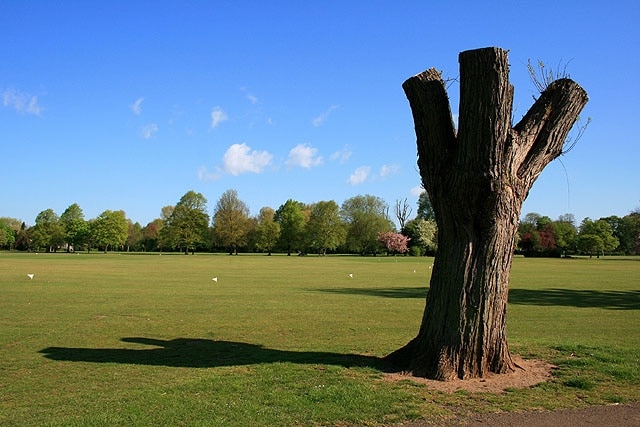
x=149, y=340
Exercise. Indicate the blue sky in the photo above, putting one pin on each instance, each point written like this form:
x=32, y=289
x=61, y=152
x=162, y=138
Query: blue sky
x=129, y=105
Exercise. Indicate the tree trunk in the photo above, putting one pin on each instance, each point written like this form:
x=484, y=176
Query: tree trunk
x=477, y=179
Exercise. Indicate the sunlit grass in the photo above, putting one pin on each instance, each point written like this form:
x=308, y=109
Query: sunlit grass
x=152, y=340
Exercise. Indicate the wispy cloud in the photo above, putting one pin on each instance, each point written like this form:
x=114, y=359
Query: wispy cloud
x=417, y=191
x=323, y=117
x=218, y=116
x=360, y=175
x=303, y=155
x=342, y=155
x=388, y=170
x=149, y=130
x=250, y=96
x=22, y=102
x=205, y=175
x=239, y=158
x=136, y=107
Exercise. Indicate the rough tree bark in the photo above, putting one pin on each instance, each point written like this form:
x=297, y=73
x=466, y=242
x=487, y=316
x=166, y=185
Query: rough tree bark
x=477, y=179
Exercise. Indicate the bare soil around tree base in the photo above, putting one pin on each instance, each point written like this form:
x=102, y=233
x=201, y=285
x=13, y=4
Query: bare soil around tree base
x=528, y=373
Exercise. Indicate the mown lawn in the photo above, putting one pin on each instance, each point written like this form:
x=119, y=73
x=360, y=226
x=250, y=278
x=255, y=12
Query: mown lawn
x=153, y=340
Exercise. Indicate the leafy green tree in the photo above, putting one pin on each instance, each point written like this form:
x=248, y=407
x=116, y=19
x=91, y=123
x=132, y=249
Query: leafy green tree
x=9, y=228
x=530, y=220
x=76, y=228
x=166, y=212
x=366, y=217
x=425, y=208
x=24, y=237
x=569, y=218
x=590, y=244
x=134, y=235
x=188, y=223
x=292, y=222
x=602, y=229
x=267, y=230
x=629, y=233
x=423, y=234
x=4, y=228
x=325, y=230
x=231, y=222
x=626, y=230
x=48, y=231
x=164, y=238
x=7, y=237
x=566, y=234
x=109, y=229
x=535, y=220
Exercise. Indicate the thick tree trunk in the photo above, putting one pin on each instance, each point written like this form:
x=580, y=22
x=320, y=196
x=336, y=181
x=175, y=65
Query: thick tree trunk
x=477, y=179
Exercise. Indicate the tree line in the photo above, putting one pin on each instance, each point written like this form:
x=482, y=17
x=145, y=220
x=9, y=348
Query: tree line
x=362, y=225
x=541, y=236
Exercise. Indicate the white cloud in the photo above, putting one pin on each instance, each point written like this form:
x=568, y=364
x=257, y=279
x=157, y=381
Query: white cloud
x=21, y=102
x=239, y=159
x=251, y=97
x=136, y=107
x=359, y=176
x=388, y=170
x=417, y=191
x=205, y=175
x=218, y=116
x=303, y=155
x=319, y=121
x=148, y=130
x=342, y=155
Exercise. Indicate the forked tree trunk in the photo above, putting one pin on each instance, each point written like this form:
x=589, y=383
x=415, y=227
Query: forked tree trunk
x=477, y=179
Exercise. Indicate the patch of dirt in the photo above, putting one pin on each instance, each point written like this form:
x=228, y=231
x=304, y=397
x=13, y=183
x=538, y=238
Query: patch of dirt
x=608, y=415
x=528, y=373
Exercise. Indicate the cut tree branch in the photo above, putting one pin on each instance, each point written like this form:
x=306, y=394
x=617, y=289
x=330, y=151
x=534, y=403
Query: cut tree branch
x=433, y=121
x=543, y=131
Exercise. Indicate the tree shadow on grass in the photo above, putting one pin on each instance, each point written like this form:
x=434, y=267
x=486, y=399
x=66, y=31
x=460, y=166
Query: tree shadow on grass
x=204, y=353
x=612, y=300
x=395, y=292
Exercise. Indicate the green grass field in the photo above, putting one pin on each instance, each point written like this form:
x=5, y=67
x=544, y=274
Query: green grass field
x=150, y=340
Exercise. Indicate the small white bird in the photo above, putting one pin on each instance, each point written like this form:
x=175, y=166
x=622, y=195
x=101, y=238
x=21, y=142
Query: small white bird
x=215, y=279
x=30, y=276
x=350, y=274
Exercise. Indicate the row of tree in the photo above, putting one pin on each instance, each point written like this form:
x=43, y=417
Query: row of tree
x=361, y=225
x=541, y=236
